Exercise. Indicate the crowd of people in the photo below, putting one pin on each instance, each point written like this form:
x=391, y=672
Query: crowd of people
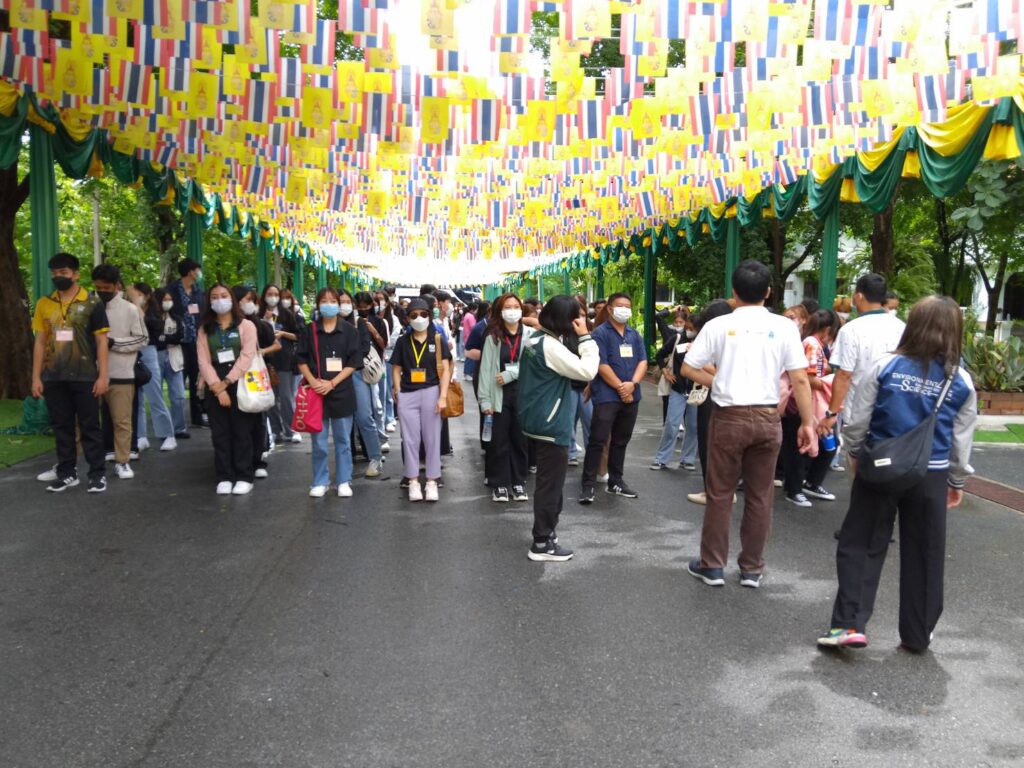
x=761, y=399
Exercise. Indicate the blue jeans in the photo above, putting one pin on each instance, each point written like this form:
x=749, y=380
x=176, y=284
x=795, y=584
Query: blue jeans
x=342, y=429
x=153, y=392
x=175, y=391
x=678, y=410
x=391, y=415
x=364, y=417
x=584, y=410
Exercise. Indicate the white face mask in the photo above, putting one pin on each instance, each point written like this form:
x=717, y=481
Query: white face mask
x=511, y=316
x=679, y=328
x=272, y=301
x=622, y=314
x=286, y=303
x=383, y=307
x=346, y=310
x=167, y=306
x=248, y=308
x=221, y=306
x=691, y=335
x=419, y=323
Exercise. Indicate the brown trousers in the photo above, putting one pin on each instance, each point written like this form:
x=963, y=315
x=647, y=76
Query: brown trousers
x=742, y=442
x=119, y=400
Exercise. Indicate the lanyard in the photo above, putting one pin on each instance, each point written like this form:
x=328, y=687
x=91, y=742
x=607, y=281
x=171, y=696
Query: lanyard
x=224, y=338
x=418, y=357
x=512, y=350
x=64, y=309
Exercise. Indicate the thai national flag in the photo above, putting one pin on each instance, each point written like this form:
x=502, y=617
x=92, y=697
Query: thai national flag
x=289, y=78
x=8, y=58
x=175, y=75
x=520, y=89
x=321, y=53
x=702, y=117
x=982, y=62
x=448, y=61
x=673, y=16
x=512, y=17
x=816, y=105
x=150, y=51
x=931, y=97
x=191, y=47
x=339, y=197
x=486, y=120
x=136, y=81
x=156, y=13
x=998, y=17
x=417, y=208
x=591, y=117
x=497, y=214
x=259, y=101
x=376, y=114
x=354, y=16
x=832, y=20
x=30, y=42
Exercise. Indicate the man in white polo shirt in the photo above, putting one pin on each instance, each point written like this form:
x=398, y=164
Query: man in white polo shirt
x=859, y=343
x=750, y=349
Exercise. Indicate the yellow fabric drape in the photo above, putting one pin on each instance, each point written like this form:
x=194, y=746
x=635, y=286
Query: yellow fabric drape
x=848, y=193
x=875, y=157
x=196, y=208
x=950, y=137
x=1002, y=143
x=8, y=98
x=822, y=169
x=911, y=166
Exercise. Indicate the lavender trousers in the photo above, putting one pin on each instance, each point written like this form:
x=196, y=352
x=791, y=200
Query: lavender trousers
x=420, y=423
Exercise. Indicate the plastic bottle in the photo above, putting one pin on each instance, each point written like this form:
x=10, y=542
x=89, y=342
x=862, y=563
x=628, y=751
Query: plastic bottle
x=488, y=428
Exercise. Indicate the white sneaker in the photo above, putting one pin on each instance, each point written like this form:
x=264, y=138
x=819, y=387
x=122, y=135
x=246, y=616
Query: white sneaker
x=264, y=455
x=261, y=473
x=224, y=488
x=297, y=437
x=48, y=476
x=374, y=469
x=697, y=498
x=415, y=491
x=133, y=456
x=430, y=491
x=345, y=491
x=109, y=457
x=602, y=478
x=318, y=491
x=124, y=472
x=169, y=444
x=241, y=488
x=143, y=443
x=385, y=447
x=391, y=428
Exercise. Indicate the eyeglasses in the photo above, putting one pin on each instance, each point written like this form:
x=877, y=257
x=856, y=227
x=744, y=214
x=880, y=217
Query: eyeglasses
x=414, y=315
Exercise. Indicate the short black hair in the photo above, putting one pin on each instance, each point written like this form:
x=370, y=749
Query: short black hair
x=240, y=291
x=108, y=273
x=364, y=298
x=187, y=265
x=872, y=287
x=890, y=295
x=430, y=300
x=442, y=295
x=64, y=260
x=751, y=280
x=811, y=305
x=427, y=288
x=533, y=301
x=558, y=314
x=620, y=295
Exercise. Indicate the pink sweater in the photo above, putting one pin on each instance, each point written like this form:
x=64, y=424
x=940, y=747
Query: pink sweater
x=248, y=333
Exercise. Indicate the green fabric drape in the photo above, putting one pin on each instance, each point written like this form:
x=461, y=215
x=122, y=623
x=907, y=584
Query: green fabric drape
x=299, y=281
x=945, y=176
x=829, y=259
x=262, y=262
x=321, y=277
x=732, y=252
x=12, y=128
x=599, y=281
x=194, y=226
x=43, y=199
x=877, y=188
x=650, y=286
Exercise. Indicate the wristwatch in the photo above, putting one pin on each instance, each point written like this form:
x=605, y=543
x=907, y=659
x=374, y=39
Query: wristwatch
x=830, y=414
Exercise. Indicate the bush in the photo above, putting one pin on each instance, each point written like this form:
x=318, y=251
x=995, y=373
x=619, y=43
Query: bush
x=996, y=366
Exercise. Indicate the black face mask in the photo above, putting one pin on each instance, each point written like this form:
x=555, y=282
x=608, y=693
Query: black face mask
x=62, y=283
x=364, y=312
x=106, y=296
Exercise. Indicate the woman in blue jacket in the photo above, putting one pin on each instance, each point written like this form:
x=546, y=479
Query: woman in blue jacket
x=547, y=410
x=900, y=393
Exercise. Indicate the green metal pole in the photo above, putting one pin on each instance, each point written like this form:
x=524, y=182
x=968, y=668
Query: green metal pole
x=732, y=252
x=566, y=284
x=321, y=276
x=540, y=288
x=195, y=223
x=298, y=281
x=829, y=259
x=43, y=202
x=262, y=261
x=650, y=280
x=599, y=287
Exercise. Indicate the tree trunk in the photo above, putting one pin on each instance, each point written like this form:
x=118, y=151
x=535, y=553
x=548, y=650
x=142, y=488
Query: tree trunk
x=883, y=243
x=995, y=291
x=777, y=245
x=166, y=229
x=15, y=328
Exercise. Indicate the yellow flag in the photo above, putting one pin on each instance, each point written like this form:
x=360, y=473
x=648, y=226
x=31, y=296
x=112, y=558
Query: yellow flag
x=435, y=115
x=540, y=120
x=203, y=91
x=436, y=19
x=317, y=107
x=24, y=17
x=72, y=74
x=255, y=49
x=125, y=9
x=592, y=19
x=749, y=20
x=376, y=203
x=87, y=46
x=295, y=188
x=512, y=63
x=350, y=81
x=73, y=10
x=644, y=118
x=235, y=75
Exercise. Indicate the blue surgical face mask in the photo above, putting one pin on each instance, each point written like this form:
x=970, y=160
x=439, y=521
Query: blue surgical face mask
x=329, y=310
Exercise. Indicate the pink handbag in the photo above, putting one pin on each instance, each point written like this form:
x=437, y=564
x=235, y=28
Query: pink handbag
x=309, y=404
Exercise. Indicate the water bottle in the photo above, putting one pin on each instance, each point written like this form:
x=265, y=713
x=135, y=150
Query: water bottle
x=488, y=428
x=828, y=442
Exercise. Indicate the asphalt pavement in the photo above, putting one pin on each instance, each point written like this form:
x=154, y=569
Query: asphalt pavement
x=161, y=625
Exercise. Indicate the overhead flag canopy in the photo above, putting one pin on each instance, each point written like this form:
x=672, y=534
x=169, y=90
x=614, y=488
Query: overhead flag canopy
x=403, y=133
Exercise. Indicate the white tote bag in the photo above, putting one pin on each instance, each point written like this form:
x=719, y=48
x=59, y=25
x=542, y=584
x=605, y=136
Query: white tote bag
x=255, y=394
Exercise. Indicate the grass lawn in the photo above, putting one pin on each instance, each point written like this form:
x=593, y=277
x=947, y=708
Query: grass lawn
x=15, y=448
x=1014, y=434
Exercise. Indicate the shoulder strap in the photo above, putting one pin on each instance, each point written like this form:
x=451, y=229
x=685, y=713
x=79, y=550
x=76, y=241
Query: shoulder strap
x=437, y=350
x=945, y=391
x=373, y=331
x=316, y=347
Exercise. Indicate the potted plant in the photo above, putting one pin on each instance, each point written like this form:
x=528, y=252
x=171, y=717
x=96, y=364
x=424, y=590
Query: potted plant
x=997, y=368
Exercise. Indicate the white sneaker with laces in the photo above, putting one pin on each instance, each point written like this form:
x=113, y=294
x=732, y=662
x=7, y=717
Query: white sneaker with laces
x=374, y=469
x=224, y=488
x=391, y=428
x=169, y=444
x=261, y=473
x=318, y=491
x=297, y=437
x=133, y=456
x=241, y=488
x=124, y=472
x=48, y=476
x=602, y=478
x=143, y=443
x=415, y=491
x=385, y=447
x=430, y=490
x=109, y=457
x=345, y=491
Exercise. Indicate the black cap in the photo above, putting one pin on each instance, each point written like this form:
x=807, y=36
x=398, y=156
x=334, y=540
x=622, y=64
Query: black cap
x=417, y=304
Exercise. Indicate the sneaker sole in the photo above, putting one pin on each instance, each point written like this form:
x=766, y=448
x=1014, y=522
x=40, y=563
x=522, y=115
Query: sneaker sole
x=586, y=502
x=623, y=495
x=710, y=582
x=98, y=490
x=798, y=504
x=750, y=583
x=821, y=498
x=823, y=643
x=543, y=557
x=521, y=498
x=61, y=489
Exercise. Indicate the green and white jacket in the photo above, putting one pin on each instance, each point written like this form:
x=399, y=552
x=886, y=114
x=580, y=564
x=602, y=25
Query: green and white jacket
x=489, y=392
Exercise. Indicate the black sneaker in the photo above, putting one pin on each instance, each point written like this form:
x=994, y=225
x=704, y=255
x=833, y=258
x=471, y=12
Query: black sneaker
x=713, y=577
x=182, y=436
x=752, y=580
x=548, y=552
x=500, y=495
x=817, y=492
x=97, y=485
x=621, y=489
x=657, y=465
x=519, y=493
x=574, y=462
x=404, y=483
x=587, y=495
x=798, y=499
x=60, y=485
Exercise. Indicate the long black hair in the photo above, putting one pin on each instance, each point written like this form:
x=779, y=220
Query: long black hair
x=558, y=314
x=209, y=319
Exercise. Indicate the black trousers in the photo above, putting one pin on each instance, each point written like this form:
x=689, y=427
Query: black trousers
x=703, y=429
x=231, y=431
x=508, y=449
x=260, y=440
x=552, y=466
x=70, y=402
x=864, y=542
x=610, y=419
x=191, y=372
x=796, y=467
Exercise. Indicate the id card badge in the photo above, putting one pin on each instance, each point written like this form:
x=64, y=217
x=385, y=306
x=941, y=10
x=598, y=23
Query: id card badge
x=418, y=375
x=226, y=356
x=512, y=368
x=682, y=349
x=626, y=350
x=334, y=365
x=193, y=309
x=65, y=334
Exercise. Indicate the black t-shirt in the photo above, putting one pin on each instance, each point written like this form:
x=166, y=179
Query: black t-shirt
x=418, y=360
x=382, y=330
x=285, y=320
x=264, y=333
x=338, y=349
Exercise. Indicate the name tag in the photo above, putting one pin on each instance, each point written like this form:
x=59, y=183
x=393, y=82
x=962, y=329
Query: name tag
x=65, y=334
x=226, y=356
x=682, y=349
x=431, y=348
x=418, y=375
x=334, y=365
x=512, y=368
x=193, y=309
x=626, y=350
